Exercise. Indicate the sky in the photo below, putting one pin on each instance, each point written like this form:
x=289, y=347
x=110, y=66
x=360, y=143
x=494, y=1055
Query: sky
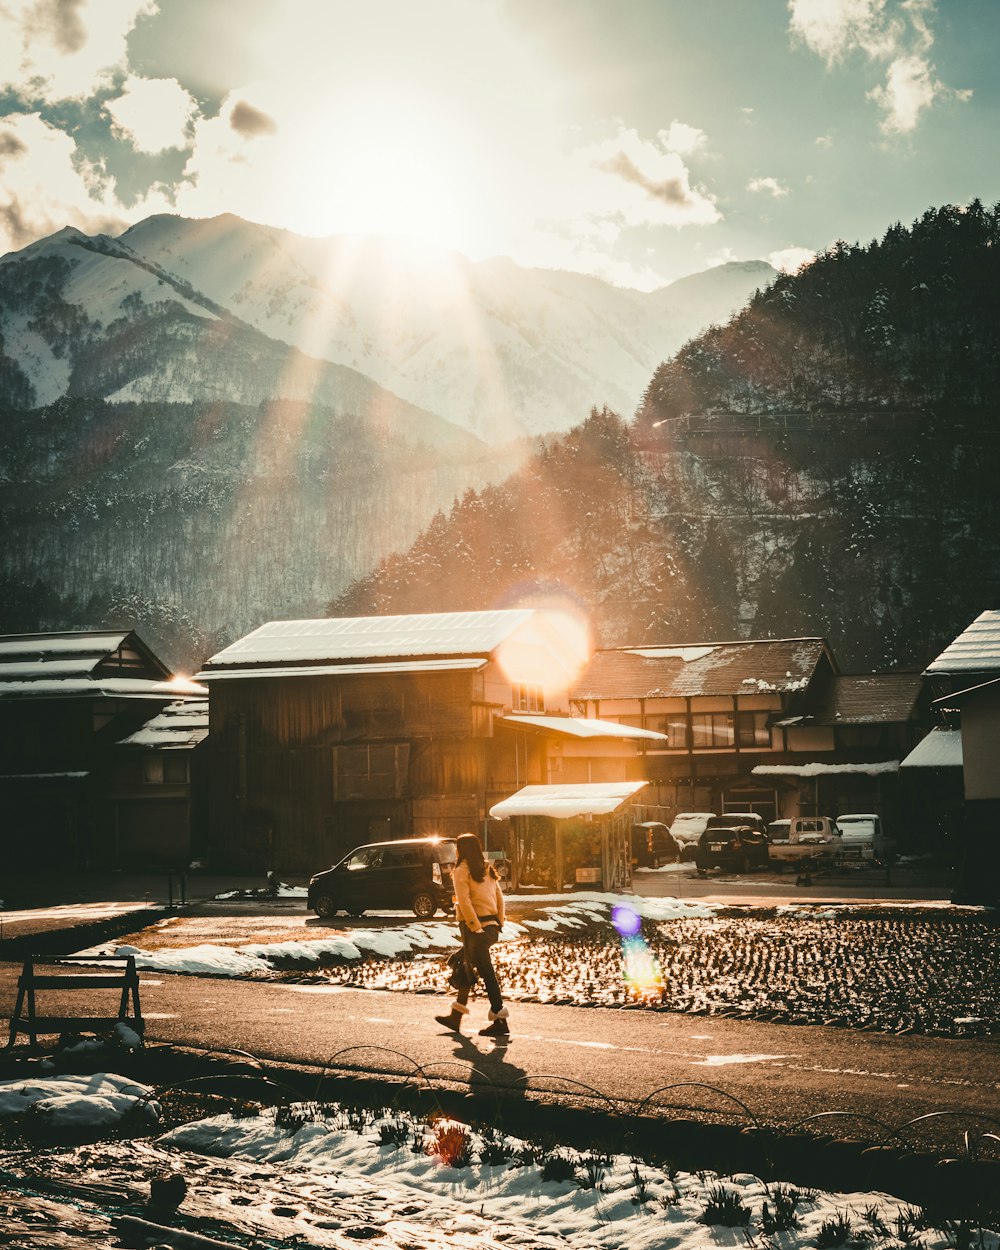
x=637, y=140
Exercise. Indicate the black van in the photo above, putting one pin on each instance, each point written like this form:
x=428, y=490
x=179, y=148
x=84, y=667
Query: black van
x=412, y=872
x=652, y=845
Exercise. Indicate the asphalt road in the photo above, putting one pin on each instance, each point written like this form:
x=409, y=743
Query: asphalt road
x=782, y=1073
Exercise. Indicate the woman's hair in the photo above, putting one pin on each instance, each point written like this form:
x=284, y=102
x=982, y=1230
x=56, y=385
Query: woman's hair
x=470, y=851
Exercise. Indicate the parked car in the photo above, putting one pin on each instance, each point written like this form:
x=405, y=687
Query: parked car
x=652, y=845
x=686, y=828
x=862, y=839
x=411, y=872
x=803, y=838
x=728, y=819
x=734, y=845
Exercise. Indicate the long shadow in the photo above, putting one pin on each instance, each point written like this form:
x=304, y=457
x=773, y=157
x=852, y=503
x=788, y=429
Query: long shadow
x=492, y=1067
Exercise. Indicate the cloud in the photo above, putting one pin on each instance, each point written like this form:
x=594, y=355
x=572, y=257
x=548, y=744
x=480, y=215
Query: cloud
x=910, y=89
x=152, y=113
x=824, y=141
x=666, y=196
x=52, y=50
x=791, y=259
x=771, y=185
x=250, y=122
x=681, y=138
x=833, y=28
x=60, y=21
x=46, y=186
x=11, y=145
x=896, y=32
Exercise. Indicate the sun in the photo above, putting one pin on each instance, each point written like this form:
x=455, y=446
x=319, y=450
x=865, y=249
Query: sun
x=391, y=168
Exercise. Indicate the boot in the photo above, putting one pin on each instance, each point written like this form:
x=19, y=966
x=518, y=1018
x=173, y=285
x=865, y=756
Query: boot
x=453, y=1020
x=498, y=1026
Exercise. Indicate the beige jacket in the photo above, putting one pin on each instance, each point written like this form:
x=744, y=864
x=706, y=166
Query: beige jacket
x=476, y=898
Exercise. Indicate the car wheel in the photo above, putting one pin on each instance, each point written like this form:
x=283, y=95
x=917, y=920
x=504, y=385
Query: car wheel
x=424, y=906
x=325, y=906
x=743, y=864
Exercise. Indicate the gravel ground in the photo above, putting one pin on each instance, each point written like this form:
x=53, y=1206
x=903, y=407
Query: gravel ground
x=899, y=974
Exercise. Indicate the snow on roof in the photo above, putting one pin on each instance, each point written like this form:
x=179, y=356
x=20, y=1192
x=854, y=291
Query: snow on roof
x=568, y=800
x=37, y=646
x=941, y=748
x=579, y=727
x=73, y=776
x=687, y=654
x=725, y=668
x=374, y=637
x=179, y=725
x=101, y=687
x=344, y=670
x=823, y=770
x=975, y=650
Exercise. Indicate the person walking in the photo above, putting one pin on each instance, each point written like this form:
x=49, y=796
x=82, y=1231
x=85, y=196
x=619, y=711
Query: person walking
x=480, y=906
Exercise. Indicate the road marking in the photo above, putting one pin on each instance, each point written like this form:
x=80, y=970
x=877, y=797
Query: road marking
x=566, y=1041
x=718, y=1061
x=159, y=1015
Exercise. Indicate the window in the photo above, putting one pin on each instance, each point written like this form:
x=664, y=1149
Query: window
x=373, y=771
x=528, y=698
x=673, y=725
x=712, y=730
x=754, y=731
x=164, y=769
x=364, y=859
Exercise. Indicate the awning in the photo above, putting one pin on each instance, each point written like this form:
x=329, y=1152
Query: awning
x=582, y=727
x=823, y=770
x=942, y=748
x=562, y=802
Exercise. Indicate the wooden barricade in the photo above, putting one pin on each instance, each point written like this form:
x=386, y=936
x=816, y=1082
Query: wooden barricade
x=25, y=1018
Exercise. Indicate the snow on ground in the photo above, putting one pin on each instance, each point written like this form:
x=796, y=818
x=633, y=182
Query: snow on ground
x=576, y=912
x=606, y=1201
x=69, y=1101
x=317, y=1173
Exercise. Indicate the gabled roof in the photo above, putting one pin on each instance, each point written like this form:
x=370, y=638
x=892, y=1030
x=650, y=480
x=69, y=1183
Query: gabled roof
x=417, y=636
x=941, y=748
x=975, y=650
x=105, y=663
x=870, y=699
x=178, y=726
x=725, y=668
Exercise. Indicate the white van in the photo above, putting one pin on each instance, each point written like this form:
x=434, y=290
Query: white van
x=687, y=829
x=862, y=837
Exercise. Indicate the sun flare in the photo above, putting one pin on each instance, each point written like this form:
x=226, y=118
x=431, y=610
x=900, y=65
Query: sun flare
x=400, y=171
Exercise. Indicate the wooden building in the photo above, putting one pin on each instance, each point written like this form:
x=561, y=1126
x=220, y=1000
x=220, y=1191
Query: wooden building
x=66, y=700
x=767, y=725
x=965, y=677
x=326, y=734
x=157, y=790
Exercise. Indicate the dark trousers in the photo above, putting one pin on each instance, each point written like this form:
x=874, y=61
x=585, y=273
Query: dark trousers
x=477, y=955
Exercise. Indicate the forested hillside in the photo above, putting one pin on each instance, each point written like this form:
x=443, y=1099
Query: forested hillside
x=910, y=319
x=196, y=522
x=826, y=463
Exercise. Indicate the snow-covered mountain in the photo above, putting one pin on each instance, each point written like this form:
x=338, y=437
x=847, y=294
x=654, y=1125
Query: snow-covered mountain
x=182, y=311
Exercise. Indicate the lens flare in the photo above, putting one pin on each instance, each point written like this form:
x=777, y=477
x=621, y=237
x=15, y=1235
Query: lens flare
x=643, y=974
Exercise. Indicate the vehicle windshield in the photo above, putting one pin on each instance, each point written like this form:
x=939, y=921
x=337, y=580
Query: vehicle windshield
x=447, y=853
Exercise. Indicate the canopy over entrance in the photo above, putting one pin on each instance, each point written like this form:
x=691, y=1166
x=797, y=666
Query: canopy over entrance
x=545, y=817
x=560, y=802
